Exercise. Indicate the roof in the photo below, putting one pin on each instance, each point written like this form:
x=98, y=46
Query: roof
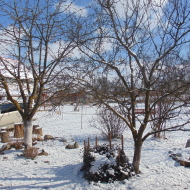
x=10, y=67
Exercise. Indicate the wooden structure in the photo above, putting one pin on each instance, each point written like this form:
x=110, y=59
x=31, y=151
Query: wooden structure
x=19, y=130
x=4, y=136
x=37, y=130
x=87, y=145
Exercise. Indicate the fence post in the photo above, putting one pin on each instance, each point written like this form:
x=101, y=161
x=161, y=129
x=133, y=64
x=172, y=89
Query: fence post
x=109, y=136
x=84, y=146
x=88, y=143
x=122, y=143
x=96, y=142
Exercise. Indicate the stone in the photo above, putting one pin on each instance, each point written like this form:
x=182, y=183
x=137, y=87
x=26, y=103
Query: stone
x=48, y=137
x=70, y=146
x=64, y=139
x=187, y=143
x=43, y=153
x=39, y=138
x=76, y=145
x=184, y=163
x=67, y=139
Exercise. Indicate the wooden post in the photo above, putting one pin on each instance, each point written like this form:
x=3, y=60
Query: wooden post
x=18, y=130
x=109, y=136
x=88, y=143
x=119, y=155
x=122, y=144
x=84, y=146
x=4, y=136
x=96, y=142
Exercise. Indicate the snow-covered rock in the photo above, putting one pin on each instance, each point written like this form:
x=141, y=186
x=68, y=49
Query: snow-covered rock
x=187, y=143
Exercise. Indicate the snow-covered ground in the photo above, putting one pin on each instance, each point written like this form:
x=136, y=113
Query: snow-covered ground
x=61, y=168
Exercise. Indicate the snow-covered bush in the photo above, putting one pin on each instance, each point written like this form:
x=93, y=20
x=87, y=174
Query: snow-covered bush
x=101, y=164
x=88, y=158
x=108, y=123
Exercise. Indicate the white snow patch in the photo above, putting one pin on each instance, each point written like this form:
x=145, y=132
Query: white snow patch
x=61, y=168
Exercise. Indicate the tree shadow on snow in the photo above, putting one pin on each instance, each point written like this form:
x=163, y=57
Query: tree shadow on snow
x=68, y=175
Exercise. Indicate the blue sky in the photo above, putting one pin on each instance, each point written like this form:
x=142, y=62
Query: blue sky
x=79, y=6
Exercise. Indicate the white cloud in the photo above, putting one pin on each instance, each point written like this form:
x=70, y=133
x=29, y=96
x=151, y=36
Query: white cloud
x=7, y=39
x=70, y=7
x=149, y=11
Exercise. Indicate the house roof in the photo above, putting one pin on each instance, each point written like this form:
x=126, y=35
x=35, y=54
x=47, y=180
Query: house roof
x=11, y=68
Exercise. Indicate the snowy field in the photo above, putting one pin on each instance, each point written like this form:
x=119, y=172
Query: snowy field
x=61, y=168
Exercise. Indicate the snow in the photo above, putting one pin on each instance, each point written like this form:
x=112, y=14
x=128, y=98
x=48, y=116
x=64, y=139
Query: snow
x=61, y=168
x=100, y=160
x=14, y=67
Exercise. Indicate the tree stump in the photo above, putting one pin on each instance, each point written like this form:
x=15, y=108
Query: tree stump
x=18, y=130
x=37, y=131
x=4, y=136
x=34, y=127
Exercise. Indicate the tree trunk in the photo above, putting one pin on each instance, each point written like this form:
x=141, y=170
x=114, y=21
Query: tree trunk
x=137, y=155
x=28, y=127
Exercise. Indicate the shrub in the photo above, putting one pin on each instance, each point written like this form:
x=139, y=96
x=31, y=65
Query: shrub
x=113, y=168
x=108, y=123
x=88, y=158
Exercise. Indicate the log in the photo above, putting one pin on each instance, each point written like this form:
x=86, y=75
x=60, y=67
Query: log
x=18, y=130
x=4, y=136
x=3, y=129
x=7, y=129
x=34, y=127
x=5, y=147
x=38, y=131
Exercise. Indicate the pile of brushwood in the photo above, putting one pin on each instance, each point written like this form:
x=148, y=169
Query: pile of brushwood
x=106, y=165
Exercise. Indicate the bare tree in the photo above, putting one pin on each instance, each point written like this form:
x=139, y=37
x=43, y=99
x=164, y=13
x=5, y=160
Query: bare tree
x=132, y=43
x=35, y=49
